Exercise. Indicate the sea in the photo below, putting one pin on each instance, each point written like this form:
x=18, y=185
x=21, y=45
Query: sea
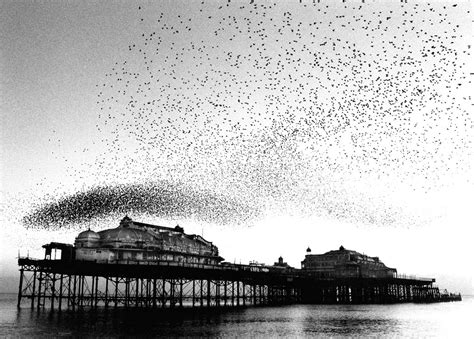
x=438, y=320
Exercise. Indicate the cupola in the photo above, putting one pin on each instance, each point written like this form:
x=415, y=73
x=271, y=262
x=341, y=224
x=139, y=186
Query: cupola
x=87, y=239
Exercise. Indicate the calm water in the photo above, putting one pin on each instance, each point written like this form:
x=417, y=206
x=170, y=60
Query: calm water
x=445, y=320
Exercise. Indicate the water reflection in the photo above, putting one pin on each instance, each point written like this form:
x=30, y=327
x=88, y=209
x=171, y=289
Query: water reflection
x=405, y=320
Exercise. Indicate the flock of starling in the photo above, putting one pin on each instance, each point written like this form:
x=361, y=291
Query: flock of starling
x=152, y=199
x=229, y=111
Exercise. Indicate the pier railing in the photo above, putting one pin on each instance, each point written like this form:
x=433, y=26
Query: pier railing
x=223, y=267
x=162, y=263
x=413, y=277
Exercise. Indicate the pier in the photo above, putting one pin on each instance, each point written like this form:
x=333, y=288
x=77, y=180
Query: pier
x=57, y=285
x=148, y=266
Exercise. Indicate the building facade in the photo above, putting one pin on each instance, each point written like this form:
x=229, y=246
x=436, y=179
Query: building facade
x=135, y=241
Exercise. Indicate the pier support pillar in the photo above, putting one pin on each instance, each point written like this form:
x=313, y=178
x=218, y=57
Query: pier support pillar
x=20, y=287
x=60, y=292
x=238, y=293
x=208, y=293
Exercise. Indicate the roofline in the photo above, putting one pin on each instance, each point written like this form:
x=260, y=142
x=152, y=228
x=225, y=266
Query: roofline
x=142, y=224
x=57, y=245
x=172, y=229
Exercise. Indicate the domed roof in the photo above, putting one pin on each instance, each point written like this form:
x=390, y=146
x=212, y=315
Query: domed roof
x=125, y=235
x=88, y=236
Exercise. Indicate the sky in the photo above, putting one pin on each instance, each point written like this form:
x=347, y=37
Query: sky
x=266, y=126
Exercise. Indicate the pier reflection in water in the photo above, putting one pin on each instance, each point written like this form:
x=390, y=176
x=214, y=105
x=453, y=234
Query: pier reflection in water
x=403, y=320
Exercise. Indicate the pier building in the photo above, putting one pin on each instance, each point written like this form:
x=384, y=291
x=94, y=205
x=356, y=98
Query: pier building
x=136, y=241
x=343, y=263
